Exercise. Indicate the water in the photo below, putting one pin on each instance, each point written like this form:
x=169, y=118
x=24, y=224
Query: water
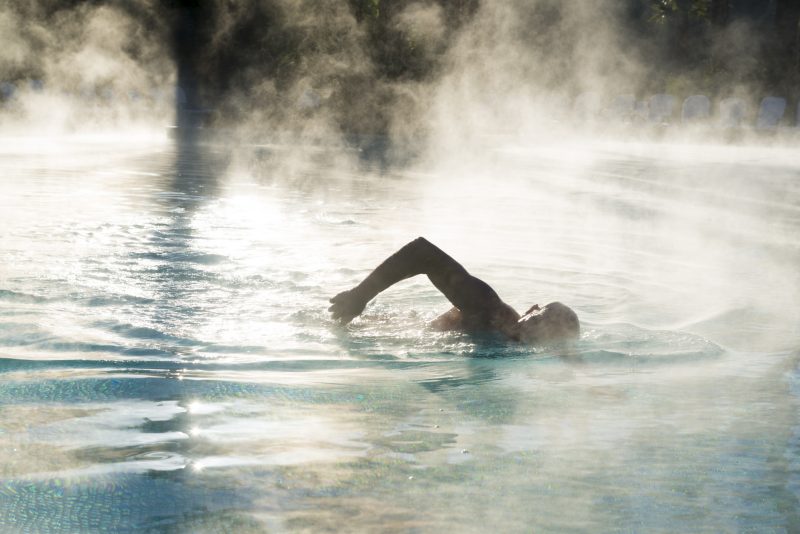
x=168, y=364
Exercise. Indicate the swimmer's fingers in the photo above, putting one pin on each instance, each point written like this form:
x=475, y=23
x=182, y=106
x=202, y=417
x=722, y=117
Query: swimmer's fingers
x=341, y=315
x=338, y=304
x=345, y=306
x=338, y=313
x=336, y=298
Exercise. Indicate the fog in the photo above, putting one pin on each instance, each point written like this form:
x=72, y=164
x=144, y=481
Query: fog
x=418, y=75
x=465, y=93
x=69, y=67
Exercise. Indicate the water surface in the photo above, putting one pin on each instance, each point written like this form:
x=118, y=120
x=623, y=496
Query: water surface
x=168, y=364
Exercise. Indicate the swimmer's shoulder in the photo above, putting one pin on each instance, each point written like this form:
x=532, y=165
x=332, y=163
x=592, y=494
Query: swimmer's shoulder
x=499, y=318
x=448, y=321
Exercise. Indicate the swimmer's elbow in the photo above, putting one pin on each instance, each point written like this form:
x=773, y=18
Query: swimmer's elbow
x=426, y=249
x=421, y=243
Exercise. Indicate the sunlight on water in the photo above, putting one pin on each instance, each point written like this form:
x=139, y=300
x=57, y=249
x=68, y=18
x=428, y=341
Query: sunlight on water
x=168, y=362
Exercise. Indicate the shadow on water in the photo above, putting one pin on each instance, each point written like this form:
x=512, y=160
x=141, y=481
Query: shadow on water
x=179, y=276
x=156, y=486
x=172, y=262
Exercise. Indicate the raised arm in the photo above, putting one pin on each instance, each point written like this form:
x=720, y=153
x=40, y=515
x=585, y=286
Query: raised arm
x=469, y=294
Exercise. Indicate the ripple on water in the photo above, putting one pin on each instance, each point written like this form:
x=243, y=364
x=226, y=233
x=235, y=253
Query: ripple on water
x=624, y=342
x=23, y=298
x=181, y=257
x=168, y=364
x=147, y=333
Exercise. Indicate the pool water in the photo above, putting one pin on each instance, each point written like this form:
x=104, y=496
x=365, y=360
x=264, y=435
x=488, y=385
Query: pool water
x=168, y=363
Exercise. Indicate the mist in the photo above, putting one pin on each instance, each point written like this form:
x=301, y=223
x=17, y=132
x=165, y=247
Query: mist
x=459, y=91
x=406, y=76
x=82, y=66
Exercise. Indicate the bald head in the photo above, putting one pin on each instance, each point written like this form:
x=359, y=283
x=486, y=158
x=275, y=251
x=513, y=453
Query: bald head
x=553, y=322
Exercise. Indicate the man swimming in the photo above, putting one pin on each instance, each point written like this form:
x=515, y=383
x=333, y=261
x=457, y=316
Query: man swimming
x=476, y=306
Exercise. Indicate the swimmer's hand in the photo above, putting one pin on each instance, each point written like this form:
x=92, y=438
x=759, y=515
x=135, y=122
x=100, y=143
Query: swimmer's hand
x=347, y=305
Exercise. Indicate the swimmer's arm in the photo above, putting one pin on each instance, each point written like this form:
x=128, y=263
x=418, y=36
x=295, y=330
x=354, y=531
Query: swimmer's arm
x=466, y=292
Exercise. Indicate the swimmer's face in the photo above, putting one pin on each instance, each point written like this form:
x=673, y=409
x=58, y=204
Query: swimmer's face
x=554, y=322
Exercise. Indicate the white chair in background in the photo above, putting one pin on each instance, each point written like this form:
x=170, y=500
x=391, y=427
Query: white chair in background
x=7, y=91
x=696, y=108
x=310, y=99
x=732, y=112
x=88, y=94
x=622, y=107
x=106, y=95
x=662, y=107
x=641, y=111
x=770, y=112
x=159, y=97
x=587, y=106
x=556, y=107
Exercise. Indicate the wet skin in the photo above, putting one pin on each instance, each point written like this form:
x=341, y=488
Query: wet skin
x=476, y=306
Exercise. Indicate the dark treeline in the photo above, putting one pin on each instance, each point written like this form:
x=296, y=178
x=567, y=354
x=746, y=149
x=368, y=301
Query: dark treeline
x=357, y=59
x=355, y=56
x=719, y=43
x=715, y=47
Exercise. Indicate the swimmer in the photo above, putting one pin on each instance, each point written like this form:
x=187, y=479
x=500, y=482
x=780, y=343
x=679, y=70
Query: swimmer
x=476, y=306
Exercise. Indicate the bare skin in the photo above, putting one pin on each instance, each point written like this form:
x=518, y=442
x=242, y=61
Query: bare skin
x=476, y=306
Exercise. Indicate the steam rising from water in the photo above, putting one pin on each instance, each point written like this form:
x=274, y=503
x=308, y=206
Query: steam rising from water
x=486, y=86
x=82, y=66
x=429, y=75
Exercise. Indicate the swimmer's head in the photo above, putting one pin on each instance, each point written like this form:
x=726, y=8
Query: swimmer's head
x=551, y=323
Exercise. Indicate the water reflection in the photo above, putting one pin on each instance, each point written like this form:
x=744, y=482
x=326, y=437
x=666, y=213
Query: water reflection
x=167, y=363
